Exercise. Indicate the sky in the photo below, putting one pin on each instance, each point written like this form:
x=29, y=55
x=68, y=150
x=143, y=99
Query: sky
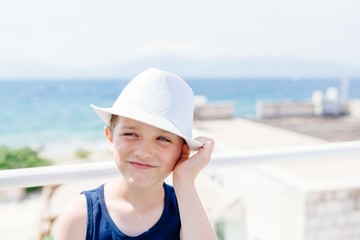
x=200, y=38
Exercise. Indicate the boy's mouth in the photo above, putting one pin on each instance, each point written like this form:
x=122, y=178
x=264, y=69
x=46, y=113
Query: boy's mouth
x=141, y=165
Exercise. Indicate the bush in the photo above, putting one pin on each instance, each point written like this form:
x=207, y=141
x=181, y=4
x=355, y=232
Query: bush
x=21, y=158
x=82, y=154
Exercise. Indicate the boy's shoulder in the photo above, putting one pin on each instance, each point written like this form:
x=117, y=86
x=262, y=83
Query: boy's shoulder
x=94, y=191
x=73, y=219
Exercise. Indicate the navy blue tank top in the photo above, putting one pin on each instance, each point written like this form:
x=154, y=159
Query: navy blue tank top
x=100, y=226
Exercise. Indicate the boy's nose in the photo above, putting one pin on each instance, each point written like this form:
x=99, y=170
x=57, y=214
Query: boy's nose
x=144, y=151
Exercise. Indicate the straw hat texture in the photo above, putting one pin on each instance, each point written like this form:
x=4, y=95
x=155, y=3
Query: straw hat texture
x=158, y=98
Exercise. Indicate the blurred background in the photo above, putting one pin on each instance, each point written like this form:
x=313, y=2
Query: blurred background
x=266, y=74
x=196, y=39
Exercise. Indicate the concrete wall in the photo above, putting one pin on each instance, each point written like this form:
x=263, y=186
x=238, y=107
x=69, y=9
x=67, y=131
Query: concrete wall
x=354, y=108
x=235, y=229
x=277, y=209
x=274, y=210
x=333, y=215
x=214, y=111
x=284, y=109
x=305, y=109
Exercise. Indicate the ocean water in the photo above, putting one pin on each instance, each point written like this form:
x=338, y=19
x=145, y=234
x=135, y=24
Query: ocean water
x=39, y=113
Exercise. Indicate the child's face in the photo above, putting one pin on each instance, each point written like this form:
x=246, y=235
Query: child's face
x=145, y=155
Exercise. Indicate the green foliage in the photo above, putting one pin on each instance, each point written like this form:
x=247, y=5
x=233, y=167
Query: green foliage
x=48, y=237
x=82, y=154
x=20, y=158
x=220, y=230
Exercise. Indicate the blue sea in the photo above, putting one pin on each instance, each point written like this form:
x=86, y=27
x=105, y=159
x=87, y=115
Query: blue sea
x=40, y=113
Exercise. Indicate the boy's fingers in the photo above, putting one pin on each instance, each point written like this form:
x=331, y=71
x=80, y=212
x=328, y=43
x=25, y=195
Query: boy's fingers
x=205, y=151
x=208, y=143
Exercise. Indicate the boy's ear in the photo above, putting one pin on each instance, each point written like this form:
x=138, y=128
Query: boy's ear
x=185, y=153
x=108, y=134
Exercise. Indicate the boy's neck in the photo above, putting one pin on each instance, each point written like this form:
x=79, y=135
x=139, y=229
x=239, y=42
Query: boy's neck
x=141, y=198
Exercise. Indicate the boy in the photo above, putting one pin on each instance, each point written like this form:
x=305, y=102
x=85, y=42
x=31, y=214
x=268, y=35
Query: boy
x=149, y=133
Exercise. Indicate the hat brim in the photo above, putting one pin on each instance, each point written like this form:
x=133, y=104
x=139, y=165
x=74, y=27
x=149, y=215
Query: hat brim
x=148, y=118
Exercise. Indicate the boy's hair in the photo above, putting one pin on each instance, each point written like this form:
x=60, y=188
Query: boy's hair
x=112, y=123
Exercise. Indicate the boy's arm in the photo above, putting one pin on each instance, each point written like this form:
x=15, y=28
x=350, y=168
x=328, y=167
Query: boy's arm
x=72, y=222
x=194, y=221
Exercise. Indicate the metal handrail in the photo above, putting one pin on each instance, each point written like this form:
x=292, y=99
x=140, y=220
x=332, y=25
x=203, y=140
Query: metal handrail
x=41, y=176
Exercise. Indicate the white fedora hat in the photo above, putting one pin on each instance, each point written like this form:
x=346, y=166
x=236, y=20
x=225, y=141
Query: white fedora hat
x=157, y=98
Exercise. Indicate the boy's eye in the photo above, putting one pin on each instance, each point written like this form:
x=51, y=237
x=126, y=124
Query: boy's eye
x=129, y=134
x=163, y=139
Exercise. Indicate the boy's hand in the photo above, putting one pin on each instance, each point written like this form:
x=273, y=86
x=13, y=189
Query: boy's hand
x=189, y=168
x=194, y=221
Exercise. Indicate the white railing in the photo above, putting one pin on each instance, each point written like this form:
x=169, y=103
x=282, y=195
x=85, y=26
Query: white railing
x=41, y=176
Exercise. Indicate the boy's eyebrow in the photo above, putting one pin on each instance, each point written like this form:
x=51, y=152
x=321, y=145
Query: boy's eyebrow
x=163, y=131
x=130, y=127
x=167, y=133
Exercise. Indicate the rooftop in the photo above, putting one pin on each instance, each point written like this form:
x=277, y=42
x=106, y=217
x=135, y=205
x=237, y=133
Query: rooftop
x=333, y=129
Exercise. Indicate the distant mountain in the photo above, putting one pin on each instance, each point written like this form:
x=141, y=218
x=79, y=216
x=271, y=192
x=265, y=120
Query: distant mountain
x=238, y=67
x=225, y=67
